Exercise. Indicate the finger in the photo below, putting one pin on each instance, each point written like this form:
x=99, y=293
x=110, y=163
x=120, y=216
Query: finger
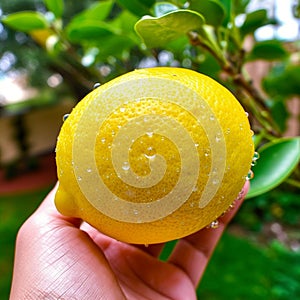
x=47, y=211
x=192, y=253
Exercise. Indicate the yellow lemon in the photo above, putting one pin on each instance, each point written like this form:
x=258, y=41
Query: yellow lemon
x=153, y=155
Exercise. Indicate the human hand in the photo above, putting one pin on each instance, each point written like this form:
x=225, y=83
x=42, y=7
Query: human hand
x=59, y=257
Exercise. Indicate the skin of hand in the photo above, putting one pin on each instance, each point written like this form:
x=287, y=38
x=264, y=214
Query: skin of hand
x=60, y=257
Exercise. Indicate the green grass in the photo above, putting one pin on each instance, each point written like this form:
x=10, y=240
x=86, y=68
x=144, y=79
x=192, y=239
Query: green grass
x=14, y=210
x=241, y=271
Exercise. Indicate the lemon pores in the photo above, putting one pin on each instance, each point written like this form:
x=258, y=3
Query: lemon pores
x=153, y=155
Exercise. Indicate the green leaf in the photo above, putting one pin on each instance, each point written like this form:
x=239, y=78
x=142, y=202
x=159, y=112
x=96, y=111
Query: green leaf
x=277, y=161
x=179, y=3
x=232, y=8
x=239, y=6
x=253, y=21
x=98, y=12
x=89, y=25
x=167, y=250
x=137, y=7
x=213, y=11
x=88, y=31
x=257, y=138
x=113, y=45
x=124, y=23
x=55, y=6
x=209, y=66
x=157, y=32
x=162, y=8
x=268, y=50
x=227, y=4
x=276, y=81
x=279, y=112
x=26, y=21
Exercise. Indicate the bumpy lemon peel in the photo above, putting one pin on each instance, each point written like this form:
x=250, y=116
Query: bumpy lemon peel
x=153, y=155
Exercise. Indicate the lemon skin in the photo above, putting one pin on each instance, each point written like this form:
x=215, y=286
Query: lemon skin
x=153, y=135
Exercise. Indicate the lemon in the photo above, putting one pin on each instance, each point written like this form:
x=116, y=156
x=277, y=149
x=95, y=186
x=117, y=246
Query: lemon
x=153, y=155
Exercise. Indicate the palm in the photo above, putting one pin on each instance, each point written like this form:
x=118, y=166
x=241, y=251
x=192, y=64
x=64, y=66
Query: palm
x=71, y=260
x=141, y=275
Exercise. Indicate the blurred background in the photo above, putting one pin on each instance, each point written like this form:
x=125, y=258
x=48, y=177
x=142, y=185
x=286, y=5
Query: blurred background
x=53, y=52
